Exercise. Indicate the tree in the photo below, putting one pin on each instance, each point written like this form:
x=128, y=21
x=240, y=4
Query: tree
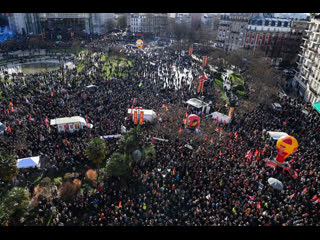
x=262, y=80
x=118, y=165
x=131, y=141
x=68, y=190
x=13, y=206
x=96, y=150
x=8, y=166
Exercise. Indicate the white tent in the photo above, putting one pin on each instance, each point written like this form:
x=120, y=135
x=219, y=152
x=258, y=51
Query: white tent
x=148, y=115
x=221, y=117
x=70, y=123
x=197, y=103
x=276, y=135
x=28, y=162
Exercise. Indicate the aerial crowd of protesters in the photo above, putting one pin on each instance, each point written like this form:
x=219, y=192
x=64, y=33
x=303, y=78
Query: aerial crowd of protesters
x=216, y=186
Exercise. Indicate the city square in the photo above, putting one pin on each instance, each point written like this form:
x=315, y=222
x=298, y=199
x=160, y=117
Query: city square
x=114, y=121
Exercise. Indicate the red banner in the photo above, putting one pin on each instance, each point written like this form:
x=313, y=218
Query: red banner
x=135, y=117
x=141, y=118
x=204, y=60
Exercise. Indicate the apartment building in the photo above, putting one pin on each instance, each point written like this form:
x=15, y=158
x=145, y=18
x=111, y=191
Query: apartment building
x=231, y=31
x=307, y=77
x=148, y=23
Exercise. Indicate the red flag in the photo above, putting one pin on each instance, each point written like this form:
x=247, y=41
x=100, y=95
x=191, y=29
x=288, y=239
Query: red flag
x=315, y=197
x=236, y=135
x=255, y=131
x=220, y=153
x=259, y=206
x=304, y=191
x=291, y=196
x=132, y=106
x=119, y=205
x=256, y=153
x=173, y=171
x=295, y=175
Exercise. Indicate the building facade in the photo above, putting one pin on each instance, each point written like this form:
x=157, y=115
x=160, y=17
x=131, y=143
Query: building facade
x=267, y=35
x=231, y=31
x=307, y=77
x=149, y=23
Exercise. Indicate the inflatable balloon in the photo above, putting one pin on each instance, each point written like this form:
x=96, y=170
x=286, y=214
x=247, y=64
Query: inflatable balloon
x=286, y=145
x=193, y=121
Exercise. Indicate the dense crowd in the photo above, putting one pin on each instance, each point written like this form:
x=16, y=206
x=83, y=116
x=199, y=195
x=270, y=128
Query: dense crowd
x=215, y=186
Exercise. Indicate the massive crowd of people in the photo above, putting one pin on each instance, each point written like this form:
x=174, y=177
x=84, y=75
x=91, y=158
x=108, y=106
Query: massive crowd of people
x=215, y=186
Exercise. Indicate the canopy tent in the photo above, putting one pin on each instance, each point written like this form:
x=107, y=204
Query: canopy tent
x=2, y=126
x=316, y=106
x=197, y=103
x=275, y=183
x=276, y=135
x=70, y=123
x=28, y=162
x=149, y=115
x=220, y=117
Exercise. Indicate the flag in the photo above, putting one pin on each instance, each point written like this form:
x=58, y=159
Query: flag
x=259, y=206
x=315, y=197
x=256, y=153
x=304, y=191
x=180, y=130
x=295, y=175
x=236, y=135
x=261, y=186
x=233, y=210
x=264, y=149
x=251, y=197
x=140, y=84
x=47, y=122
x=248, y=155
x=141, y=118
x=132, y=106
x=119, y=206
x=291, y=196
x=255, y=131
x=173, y=171
x=220, y=153
x=135, y=117
x=204, y=60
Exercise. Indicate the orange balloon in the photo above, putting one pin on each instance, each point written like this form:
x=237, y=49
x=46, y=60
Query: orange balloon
x=286, y=145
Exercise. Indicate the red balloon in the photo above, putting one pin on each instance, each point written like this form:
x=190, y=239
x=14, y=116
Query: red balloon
x=193, y=121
